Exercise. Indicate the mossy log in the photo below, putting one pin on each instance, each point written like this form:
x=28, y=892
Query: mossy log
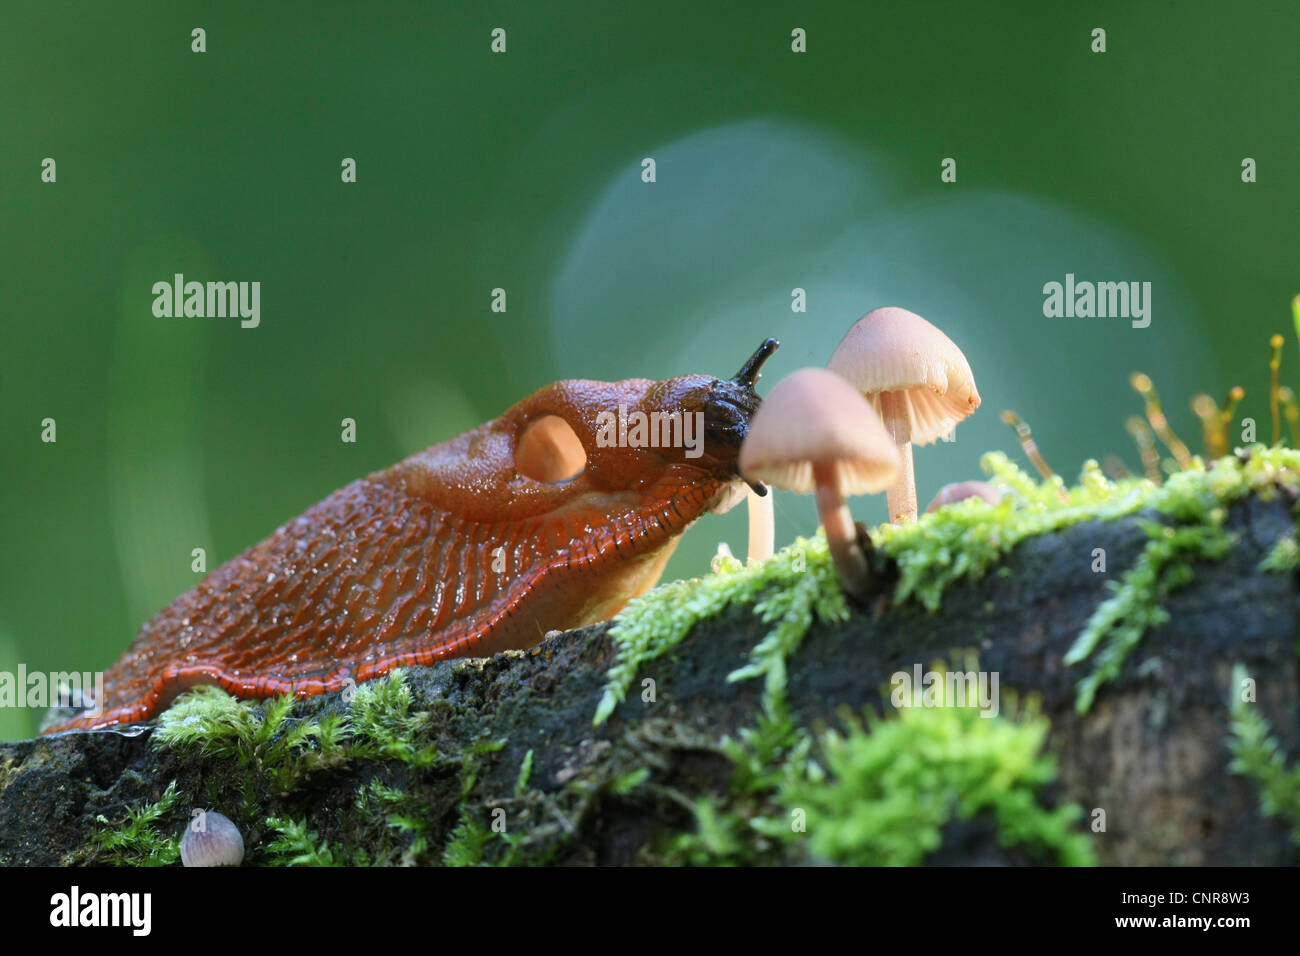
x=511, y=739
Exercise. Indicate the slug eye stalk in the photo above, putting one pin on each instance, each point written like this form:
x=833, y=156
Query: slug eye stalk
x=749, y=373
x=732, y=403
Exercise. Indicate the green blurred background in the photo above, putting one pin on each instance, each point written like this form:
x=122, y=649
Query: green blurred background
x=775, y=170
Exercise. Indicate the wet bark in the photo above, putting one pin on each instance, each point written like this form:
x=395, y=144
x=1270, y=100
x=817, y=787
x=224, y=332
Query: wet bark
x=1152, y=752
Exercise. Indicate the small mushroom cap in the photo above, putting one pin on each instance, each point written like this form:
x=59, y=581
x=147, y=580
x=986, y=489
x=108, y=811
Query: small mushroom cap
x=960, y=491
x=211, y=840
x=893, y=350
x=814, y=417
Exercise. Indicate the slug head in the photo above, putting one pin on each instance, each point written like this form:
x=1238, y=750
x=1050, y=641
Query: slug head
x=729, y=407
x=577, y=438
x=688, y=427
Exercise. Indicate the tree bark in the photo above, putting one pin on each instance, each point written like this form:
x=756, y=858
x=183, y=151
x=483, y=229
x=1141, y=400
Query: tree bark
x=1152, y=751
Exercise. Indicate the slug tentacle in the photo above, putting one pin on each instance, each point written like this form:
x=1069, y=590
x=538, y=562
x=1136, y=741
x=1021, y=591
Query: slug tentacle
x=480, y=544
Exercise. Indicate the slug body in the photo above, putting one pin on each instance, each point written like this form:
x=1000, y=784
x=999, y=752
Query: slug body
x=453, y=552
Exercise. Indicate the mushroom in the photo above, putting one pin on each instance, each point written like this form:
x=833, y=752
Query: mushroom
x=918, y=381
x=960, y=491
x=211, y=840
x=815, y=433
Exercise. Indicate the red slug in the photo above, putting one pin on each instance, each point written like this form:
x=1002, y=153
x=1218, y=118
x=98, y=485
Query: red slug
x=532, y=522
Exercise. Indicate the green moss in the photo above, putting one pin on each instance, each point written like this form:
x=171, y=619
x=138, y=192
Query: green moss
x=802, y=586
x=628, y=783
x=791, y=610
x=890, y=788
x=874, y=798
x=525, y=772
x=720, y=839
x=466, y=844
x=1136, y=605
x=396, y=820
x=137, y=842
x=1257, y=755
x=260, y=736
x=379, y=725
x=963, y=542
x=382, y=725
x=746, y=827
x=881, y=794
x=405, y=821
x=469, y=765
x=468, y=840
x=277, y=752
x=1283, y=557
x=210, y=722
x=295, y=845
x=863, y=797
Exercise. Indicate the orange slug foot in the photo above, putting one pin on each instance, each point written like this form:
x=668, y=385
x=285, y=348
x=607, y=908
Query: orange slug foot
x=533, y=522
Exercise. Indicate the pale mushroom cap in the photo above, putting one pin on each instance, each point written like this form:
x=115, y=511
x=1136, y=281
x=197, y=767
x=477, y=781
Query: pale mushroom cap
x=218, y=843
x=893, y=350
x=960, y=491
x=815, y=417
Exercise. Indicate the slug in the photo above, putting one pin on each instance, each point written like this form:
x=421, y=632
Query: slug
x=532, y=522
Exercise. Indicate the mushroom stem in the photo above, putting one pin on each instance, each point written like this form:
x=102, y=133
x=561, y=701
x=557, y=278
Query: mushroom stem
x=901, y=495
x=762, y=525
x=841, y=534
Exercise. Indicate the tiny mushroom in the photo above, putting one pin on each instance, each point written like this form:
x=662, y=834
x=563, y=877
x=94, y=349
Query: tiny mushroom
x=815, y=433
x=918, y=381
x=211, y=840
x=960, y=491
